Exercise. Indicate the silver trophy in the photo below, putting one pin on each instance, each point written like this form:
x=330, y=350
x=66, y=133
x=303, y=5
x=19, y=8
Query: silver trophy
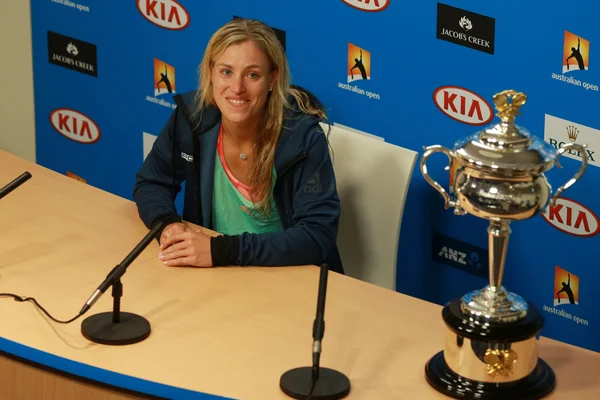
x=497, y=174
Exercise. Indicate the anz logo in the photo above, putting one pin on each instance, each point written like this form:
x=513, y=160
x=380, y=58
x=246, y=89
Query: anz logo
x=473, y=260
x=459, y=254
x=454, y=255
x=460, y=257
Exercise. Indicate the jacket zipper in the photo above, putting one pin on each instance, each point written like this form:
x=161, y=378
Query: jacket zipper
x=285, y=170
x=291, y=163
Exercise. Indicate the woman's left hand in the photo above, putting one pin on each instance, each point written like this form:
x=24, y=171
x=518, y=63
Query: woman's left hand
x=190, y=248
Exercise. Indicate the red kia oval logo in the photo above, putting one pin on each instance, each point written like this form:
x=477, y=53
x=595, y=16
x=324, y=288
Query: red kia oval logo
x=167, y=14
x=75, y=125
x=572, y=217
x=463, y=105
x=368, y=5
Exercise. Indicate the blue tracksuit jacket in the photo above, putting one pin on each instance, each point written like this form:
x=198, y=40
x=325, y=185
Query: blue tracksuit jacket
x=305, y=190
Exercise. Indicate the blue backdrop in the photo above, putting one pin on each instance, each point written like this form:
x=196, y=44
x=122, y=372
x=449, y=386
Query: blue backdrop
x=431, y=71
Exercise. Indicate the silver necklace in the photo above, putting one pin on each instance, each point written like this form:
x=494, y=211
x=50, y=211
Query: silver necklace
x=242, y=155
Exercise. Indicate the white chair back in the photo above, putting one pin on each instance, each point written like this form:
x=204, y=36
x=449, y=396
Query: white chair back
x=372, y=181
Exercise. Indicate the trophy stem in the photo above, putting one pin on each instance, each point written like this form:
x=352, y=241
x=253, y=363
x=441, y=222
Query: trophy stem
x=498, y=233
x=493, y=300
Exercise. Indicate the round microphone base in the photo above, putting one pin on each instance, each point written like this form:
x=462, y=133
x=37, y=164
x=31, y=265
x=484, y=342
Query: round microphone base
x=331, y=385
x=100, y=328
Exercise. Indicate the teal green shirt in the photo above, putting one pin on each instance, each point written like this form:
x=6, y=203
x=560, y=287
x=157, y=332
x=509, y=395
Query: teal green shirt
x=228, y=214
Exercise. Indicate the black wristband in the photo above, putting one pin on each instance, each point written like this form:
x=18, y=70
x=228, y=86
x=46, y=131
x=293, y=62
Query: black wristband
x=224, y=250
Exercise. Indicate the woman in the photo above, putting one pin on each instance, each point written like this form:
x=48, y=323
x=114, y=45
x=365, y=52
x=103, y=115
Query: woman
x=255, y=162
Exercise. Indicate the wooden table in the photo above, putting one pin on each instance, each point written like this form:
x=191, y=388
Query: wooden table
x=227, y=332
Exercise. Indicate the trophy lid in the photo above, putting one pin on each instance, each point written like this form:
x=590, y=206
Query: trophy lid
x=506, y=148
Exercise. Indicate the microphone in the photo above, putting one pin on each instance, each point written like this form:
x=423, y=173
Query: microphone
x=120, y=269
x=316, y=383
x=116, y=327
x=21, y=179
x=319, y=322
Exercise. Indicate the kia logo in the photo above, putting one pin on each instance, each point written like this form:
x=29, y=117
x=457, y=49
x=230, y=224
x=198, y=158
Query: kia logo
x=75, y=125
x=462, y=105
x=167, y=14
x=572, y=217
x=368, y=5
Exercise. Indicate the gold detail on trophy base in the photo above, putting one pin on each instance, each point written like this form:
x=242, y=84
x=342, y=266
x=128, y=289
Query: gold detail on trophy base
x=500, y=362
x=468, y=358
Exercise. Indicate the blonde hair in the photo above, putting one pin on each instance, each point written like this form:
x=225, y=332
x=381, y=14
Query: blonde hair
x=239, y=31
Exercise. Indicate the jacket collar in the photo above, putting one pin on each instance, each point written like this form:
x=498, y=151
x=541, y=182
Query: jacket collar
x=289, y=150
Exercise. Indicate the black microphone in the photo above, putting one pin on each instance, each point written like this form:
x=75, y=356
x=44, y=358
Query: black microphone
x=319, y=323
x=120, y=269
x=24, y=177
x=316, y=383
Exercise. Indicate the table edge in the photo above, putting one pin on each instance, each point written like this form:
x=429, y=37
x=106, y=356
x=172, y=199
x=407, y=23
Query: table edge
x=65, y=366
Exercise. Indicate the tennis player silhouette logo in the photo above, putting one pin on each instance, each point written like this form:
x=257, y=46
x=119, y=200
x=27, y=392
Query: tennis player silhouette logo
x=566, y=287
x=360, y=66
x=164, y=78
x=576, y=53
x=359, y=63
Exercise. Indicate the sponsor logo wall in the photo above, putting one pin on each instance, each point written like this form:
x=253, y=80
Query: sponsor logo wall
x=164, y=87
x=465, y=28
x=72, y=53
x=75, y=125
x=576, y=62
x=167, y=14
x=411, y=76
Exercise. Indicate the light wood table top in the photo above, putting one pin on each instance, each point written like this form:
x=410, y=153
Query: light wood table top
x=228, y=331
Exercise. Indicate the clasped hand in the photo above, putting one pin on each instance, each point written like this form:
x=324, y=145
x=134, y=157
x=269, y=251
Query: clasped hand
x=182, y=246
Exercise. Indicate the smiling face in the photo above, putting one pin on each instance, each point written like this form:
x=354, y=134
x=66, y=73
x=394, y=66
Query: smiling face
x=241, y=78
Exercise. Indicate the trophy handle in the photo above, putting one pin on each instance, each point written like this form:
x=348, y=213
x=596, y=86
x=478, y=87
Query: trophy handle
x=581, y=149
x=448, y=202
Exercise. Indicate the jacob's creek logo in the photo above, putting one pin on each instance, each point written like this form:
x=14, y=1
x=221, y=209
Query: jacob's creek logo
x=465, y=28
x=368, y=5
x=358, y=70
x=572, y=217
x=566, y=295
x=167, y=14
x=72, y=53
x=463, y=105
x=575, y=61
x=164, y=83
x=71, y=4
x=559, y=132
x=461, y=255
x=75, y=125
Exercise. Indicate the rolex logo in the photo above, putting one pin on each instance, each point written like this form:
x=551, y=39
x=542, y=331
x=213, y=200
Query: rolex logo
x=572, y=132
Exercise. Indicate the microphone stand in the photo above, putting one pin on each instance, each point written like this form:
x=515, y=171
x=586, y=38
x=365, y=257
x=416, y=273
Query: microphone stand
x=21, y=179
x=316, y=383
x=116, y=327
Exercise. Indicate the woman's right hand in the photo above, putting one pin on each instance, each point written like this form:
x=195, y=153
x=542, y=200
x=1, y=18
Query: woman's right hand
x=172, y=229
